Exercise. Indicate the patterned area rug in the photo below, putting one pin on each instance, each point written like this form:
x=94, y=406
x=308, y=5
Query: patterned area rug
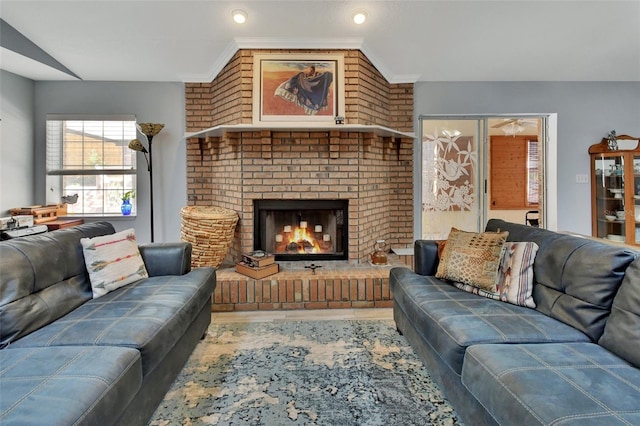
x=350, y=372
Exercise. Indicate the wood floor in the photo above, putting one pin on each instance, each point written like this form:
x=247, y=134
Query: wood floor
x=303, y=315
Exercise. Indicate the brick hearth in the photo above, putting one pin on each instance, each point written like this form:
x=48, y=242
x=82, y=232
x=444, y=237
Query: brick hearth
x=373, y=170
x=337, y=284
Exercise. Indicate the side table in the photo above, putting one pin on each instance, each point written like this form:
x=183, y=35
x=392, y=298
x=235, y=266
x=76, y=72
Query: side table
x=405, y=255
x=63, y=223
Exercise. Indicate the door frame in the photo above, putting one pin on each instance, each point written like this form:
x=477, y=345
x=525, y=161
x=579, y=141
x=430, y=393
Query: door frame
x=548, y=137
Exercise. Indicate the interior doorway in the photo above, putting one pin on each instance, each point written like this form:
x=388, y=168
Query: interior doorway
x=471, y=168
x=515, y=184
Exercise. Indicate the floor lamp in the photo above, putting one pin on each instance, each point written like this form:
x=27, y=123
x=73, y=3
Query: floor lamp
x=149, y=130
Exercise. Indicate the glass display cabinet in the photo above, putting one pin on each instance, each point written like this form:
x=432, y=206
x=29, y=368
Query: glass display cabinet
x=615, y=189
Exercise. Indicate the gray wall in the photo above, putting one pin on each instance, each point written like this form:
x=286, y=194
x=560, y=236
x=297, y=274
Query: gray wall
x=16, y=142
x=587, y=111
x=150, y=102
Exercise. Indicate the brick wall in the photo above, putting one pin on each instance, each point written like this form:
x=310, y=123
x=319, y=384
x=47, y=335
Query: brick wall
x=373, y=172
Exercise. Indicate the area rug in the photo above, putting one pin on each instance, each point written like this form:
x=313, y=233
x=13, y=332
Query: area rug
x=347, y=372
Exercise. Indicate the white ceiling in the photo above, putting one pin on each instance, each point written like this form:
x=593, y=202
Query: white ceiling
x=408, y=41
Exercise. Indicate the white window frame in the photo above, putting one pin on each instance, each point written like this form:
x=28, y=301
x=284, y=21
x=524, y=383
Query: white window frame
x=99, y=140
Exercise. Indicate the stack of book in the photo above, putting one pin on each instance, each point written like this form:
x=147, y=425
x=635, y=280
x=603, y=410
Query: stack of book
x=257, y=264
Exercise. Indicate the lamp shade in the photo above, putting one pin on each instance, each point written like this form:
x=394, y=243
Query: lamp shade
x=136, y=145
x=150, y=129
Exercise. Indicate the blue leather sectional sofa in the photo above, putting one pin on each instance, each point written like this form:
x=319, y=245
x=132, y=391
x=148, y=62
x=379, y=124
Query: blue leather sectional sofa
x=573, y=360
x=69, y=359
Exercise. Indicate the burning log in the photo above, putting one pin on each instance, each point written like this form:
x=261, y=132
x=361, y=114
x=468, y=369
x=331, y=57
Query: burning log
x=302, y=246
x=293, y=246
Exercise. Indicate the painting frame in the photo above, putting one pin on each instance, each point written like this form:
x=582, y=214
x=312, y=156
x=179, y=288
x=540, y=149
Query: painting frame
x=280, y=80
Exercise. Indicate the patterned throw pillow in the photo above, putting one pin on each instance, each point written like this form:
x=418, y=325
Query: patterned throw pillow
x=515, y=282
x=113, y=261
x=517, y=286
x=472, y=258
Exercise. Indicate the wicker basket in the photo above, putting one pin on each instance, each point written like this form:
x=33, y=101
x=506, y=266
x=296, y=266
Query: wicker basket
x=210, y=231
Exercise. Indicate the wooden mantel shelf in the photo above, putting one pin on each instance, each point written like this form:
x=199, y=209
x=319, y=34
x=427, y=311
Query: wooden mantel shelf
x=218, y=131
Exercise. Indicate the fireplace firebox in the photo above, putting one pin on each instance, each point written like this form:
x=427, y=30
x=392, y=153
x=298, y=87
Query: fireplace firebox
x=302, y=229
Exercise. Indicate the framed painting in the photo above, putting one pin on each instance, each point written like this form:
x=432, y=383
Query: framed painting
x=290, y=87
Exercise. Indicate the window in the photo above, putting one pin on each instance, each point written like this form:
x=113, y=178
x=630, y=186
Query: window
x=89, y=156
x=515, y=175
x=533, y=174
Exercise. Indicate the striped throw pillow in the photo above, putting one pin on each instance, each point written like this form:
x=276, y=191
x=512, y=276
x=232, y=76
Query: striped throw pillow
x=515, y=284
x=112, y=261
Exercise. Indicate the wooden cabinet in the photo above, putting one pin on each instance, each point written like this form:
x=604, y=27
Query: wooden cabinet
x=615, y=191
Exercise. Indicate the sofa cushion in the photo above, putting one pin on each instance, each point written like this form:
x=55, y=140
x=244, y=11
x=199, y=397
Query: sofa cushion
x=576, y=278
x=521, y=384
x=34, y=292
x=450, y=320
x=67, y=385
x=472, y=258
x=148, y=315
x=622, y=332
x=113, y=261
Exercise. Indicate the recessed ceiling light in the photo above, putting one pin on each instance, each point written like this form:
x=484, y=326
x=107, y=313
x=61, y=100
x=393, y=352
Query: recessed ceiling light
x=359, y=17
x=239, y=16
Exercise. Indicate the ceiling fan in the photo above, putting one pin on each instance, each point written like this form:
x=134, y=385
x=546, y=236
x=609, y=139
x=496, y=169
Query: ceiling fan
x=523, y=122
x=513, y=126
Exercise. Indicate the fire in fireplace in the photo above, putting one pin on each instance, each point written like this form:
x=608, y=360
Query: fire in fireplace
x=302, y=229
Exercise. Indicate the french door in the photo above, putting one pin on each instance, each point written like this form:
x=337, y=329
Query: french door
x=453, y=172
x=451, y=175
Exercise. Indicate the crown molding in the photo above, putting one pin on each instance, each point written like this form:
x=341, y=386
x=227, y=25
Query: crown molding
x=380, y=65
x=297, y=43
x=222, y=60
x=404, y=78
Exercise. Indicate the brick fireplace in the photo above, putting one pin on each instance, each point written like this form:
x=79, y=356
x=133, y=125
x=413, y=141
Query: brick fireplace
x=299, y=230
x=367, y=162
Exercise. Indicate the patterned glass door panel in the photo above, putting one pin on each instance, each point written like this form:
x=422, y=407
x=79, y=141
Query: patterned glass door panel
x=452, y=182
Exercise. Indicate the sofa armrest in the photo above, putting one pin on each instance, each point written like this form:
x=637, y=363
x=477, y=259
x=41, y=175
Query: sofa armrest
x=425, y=257
x=166, y=258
